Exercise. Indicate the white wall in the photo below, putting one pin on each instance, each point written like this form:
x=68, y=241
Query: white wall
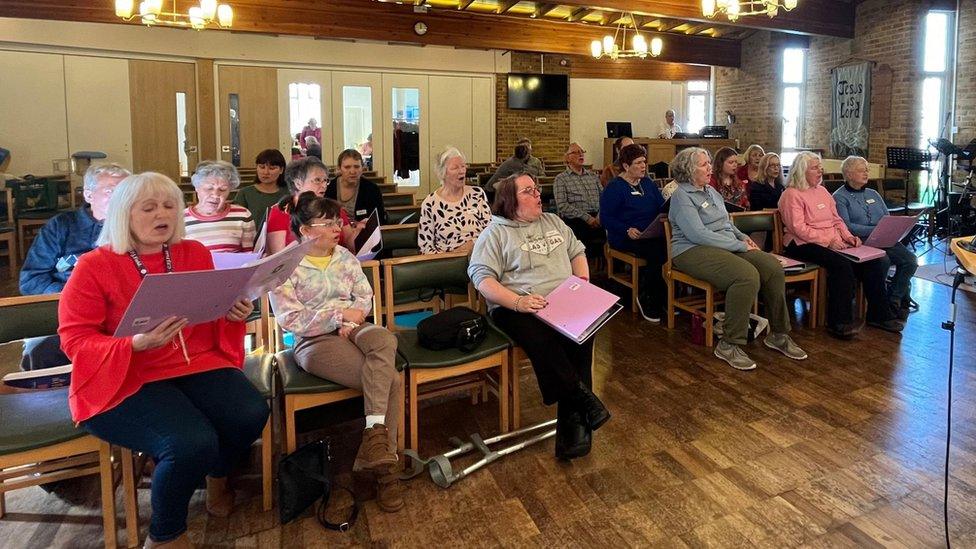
x=594, y=102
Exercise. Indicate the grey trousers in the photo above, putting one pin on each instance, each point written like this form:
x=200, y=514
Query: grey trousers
x=741, y=276
x=364, y=361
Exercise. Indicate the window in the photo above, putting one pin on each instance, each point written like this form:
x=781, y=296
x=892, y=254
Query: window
x=304, y=102
x=794, y=76
x=936, y=75
x=697, y=105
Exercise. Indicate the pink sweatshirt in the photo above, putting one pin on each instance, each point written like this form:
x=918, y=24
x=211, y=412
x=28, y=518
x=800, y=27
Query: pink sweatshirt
x=810, y=217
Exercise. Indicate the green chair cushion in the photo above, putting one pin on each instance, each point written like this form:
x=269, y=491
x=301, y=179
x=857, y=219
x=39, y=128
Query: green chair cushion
x=34, y=420
x=259, y=370
x=28, y=320
x=420, y=357
x=296, y=381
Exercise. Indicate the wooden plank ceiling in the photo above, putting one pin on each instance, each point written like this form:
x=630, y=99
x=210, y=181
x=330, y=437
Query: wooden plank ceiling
x=560, y=26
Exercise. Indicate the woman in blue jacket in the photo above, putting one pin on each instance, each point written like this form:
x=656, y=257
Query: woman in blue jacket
x=628, y=205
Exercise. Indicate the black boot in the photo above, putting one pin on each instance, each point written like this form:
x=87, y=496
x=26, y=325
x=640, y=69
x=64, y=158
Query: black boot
x=573, y=437
x=593, y=412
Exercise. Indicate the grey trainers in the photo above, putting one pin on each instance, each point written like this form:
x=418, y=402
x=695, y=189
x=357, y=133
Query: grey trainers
x=734, y=355
x=785, y=344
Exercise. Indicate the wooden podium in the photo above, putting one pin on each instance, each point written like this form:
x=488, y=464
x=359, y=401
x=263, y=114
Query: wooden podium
x=663, y=150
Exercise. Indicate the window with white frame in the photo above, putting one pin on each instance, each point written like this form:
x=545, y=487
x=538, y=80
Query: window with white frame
x=794, y=77
x=936, y=75
x=697, y=107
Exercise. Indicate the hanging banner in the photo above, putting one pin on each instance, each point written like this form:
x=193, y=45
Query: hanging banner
x=851, y=113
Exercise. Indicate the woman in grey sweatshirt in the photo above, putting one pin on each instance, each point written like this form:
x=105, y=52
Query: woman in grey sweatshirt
x=521, y=257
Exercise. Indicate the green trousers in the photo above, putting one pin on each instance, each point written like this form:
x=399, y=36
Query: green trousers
x=741, y=276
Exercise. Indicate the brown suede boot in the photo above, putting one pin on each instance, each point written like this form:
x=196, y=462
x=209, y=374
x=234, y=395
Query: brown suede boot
x=389, y=493
x=220, y=498
x=374, y=452
x=182, y=542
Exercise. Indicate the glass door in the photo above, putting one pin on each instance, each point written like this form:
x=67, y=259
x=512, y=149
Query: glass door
x=407, y=142
x=305, y=114
x=357, y=112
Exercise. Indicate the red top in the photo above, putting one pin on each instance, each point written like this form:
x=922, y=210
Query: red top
x=280, y=221
x=743, y=172
x=733, y=194
x=106, y=370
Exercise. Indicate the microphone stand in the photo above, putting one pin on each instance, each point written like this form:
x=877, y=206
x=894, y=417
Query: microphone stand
x=950, y=326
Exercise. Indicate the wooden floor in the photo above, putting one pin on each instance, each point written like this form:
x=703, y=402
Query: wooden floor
x=844, y=449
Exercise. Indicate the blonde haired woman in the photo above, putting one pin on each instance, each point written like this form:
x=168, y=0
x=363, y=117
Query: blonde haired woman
x=764, y=192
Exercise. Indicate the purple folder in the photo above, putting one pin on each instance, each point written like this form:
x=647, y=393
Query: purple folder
x=202, y=296
x=231, y=260
x=861, y=254
x=890, y=230
x=577, y=309
x=656, y=228
x=789, y=264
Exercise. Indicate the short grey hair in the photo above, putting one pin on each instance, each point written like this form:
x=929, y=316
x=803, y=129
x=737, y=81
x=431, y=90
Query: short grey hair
x=851, y=162
x=97, y=171
x=221, y=169
x=440, y=166
x=683, y=164
x=797, y=178
x=671, y=112
x=298, y=170
x=117, y=230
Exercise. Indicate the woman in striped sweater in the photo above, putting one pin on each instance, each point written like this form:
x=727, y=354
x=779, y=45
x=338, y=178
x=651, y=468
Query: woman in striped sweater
x=213, y=220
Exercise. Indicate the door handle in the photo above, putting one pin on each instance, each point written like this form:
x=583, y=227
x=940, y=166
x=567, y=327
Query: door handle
x=225, y=148
x=191, y=149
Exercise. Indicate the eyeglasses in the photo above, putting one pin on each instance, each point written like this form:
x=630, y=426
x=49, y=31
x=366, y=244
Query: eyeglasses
x=531, y=190
x=328, y=223
x=318, y=181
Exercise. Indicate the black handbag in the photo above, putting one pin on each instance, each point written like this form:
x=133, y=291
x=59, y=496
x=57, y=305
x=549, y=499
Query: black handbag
x=455, y=328
x=305, y=476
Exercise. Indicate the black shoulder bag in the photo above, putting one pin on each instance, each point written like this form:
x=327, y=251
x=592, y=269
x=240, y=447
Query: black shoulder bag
x=305, y=476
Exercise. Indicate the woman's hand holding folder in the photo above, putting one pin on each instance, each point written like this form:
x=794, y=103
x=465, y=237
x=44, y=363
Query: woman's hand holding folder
x=160, y=335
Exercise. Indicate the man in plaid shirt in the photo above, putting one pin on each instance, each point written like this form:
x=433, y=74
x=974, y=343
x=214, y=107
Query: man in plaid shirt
x=577, y=193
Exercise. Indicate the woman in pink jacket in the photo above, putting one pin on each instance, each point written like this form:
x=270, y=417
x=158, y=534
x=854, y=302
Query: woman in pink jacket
x=813, y=231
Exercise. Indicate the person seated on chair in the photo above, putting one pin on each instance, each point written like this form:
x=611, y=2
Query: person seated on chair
x=725, y=180
x=306, y=174
x=706, y=245
x=612, y=169
x=214, y=221
x=861, y=209
x=269, y=186
x=628, y=206
x=522, y=256
x=577, y=192
x=749, y=170
x=313, y=147
x=668, y=128
x=357, y=195
x=325, y=303
x=534, y=165
x=517, y=163
x=452, y=217
x=812, y=231
x=764, y=192
x=55, y=251
x=176, y=392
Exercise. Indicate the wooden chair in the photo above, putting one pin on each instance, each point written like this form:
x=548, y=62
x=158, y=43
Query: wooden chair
x=8, y=233
x=260, y=371
x=701, y=304
x=398, y=199
x=399, y=240
x=768, y=221
x=387, y=188
x=302, y=390
x=39, y=442
x=35, y=202
x=450, y=370
x=630, y=280
x=420, y=295
x=398, y=215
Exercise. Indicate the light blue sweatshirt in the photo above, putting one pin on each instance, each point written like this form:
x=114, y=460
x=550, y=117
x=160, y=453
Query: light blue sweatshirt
x=698, y=218
x=861, y=210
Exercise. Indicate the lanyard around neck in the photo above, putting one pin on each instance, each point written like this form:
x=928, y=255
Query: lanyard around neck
x=141, y=267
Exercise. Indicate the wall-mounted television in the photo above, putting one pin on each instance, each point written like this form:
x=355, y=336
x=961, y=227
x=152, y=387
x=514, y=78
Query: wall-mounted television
x=544, y=92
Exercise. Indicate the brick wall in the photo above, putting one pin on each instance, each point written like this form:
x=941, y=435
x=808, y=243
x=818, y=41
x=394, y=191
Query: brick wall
x=549, y=139
x=886, y=31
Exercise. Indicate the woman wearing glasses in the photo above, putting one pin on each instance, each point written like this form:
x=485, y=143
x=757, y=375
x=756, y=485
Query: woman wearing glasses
x=522, y=256
x=306, y=175
x=764, y=191
x=325, y=303
x=628, y=205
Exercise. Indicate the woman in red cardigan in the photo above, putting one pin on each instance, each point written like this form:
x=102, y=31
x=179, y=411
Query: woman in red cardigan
x=177, y=392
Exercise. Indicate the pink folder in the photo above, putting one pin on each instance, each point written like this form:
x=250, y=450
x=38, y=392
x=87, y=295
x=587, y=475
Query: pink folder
x=790, y=264
x=861, y=254
x=230, y=260
x=202, y=296
x=890, y=230
x=656, y=228
x=577, y=309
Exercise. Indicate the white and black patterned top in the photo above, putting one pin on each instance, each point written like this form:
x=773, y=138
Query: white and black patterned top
x=444, y=226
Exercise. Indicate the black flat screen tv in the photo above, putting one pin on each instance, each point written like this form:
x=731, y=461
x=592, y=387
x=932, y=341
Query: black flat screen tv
x=544, y=92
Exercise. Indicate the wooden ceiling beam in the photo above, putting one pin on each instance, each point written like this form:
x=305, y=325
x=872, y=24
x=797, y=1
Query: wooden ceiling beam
x=389, y=22
x=543, y=10
x=580, y=13
x=811, y=17
x=463, y=4
x=505, y=5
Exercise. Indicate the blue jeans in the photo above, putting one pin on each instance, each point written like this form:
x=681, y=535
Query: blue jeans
x=193, y=426
x=905, y=262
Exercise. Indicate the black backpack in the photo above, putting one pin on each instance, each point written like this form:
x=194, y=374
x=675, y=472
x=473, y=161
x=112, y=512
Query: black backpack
x=455, y=328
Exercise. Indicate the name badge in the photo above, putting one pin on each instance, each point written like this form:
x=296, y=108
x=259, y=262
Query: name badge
x=705, y=204
x=361, y=212
x=821, y=206
x=870, y=201
x=635, y=193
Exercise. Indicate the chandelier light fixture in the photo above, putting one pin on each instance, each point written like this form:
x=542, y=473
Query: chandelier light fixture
x=151, y=12
x=733, y=9
x=615, y=47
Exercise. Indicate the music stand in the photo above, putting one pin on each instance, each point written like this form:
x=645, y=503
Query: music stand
x=910, y=160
